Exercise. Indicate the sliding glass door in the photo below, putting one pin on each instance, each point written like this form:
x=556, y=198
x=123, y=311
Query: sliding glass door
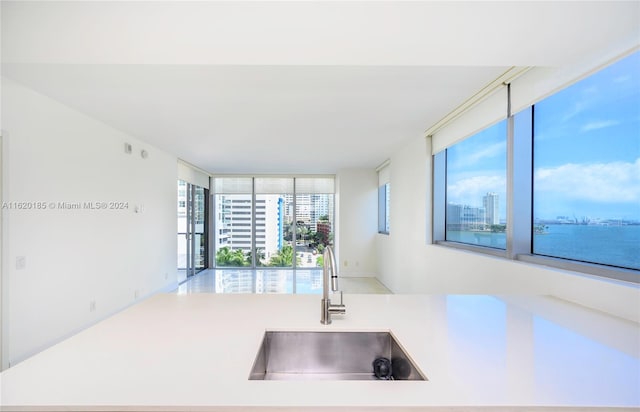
x=192, y=229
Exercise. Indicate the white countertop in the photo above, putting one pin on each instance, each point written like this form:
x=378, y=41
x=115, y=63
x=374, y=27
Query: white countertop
x=196, y=351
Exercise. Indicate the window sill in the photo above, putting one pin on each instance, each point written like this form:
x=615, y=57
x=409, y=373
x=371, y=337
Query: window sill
x=474, y=248
x=602, y=272
x=629, y=277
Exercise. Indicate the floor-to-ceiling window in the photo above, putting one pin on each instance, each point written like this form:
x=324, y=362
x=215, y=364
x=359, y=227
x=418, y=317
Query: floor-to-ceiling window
x=314, y=228
x=266, y=222
x=233, y=224
x=274, y=222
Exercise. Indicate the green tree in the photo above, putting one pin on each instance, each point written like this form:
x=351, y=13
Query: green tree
x=225, y=256
x=303, y=233
x=283, y=258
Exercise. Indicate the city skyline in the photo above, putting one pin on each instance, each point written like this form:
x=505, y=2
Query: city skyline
x=274, y=216
x=466, y=217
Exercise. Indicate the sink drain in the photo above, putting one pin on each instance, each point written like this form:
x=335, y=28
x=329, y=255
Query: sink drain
x=382, y=368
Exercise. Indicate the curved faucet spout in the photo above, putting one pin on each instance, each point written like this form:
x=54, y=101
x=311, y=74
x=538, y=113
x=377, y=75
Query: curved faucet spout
x=329, y=274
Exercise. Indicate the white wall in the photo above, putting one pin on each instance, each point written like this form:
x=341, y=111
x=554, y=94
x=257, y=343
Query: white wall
x=74, y=257
x=357, y=220
x=408, y=263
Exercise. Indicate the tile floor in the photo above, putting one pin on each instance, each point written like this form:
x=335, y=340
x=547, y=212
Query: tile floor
x=273, y=281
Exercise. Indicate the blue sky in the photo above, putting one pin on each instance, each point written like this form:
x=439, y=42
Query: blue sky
x=478, y=165
x=586, y=151
x=587, y=146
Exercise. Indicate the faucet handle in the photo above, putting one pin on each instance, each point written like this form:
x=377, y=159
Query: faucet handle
x=341, y=306
x=338, y=309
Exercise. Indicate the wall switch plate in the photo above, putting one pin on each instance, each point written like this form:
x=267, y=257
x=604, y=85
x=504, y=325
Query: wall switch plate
x=92, y=306
x=128, y=148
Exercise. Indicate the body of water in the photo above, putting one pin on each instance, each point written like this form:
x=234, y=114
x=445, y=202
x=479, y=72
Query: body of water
x=488, y=239
x=607, y=245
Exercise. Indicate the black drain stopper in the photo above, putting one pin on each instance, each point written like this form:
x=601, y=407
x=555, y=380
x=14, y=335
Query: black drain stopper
x=382, y=368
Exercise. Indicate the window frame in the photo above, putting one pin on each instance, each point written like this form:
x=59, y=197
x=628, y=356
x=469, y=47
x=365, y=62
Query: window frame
x=301, y=185
x=519, y=203
x=383, y=209
x=446, y=200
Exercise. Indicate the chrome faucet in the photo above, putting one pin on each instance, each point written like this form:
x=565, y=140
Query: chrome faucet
x=329, y=274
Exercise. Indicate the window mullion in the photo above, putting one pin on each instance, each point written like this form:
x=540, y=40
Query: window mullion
x=439, y=177
x=253, y=224
x=511, y=192
x=519, y=189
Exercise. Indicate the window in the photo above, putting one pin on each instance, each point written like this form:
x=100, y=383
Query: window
x=586, y=169
x=558, y=183
x=274, y=220
x=314, y=222
x=384, y=198
x=383, y=208
x=283, y=222
x=233, y=202
x=476, y=171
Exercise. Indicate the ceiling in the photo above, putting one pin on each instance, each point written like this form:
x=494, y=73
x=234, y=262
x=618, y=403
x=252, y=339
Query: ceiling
x=290, y=87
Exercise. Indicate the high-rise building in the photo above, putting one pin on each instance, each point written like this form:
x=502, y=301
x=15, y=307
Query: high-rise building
x=270, y=225
x=492, y=208
x=233, y=223
x=465, y=217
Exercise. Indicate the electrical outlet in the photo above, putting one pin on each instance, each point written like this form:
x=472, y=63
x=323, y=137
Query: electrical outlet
x=346, y=263
x=21, y=262
x=92, y=306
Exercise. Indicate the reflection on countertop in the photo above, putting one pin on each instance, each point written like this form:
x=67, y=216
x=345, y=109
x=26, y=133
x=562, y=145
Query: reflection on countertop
x=197, y=350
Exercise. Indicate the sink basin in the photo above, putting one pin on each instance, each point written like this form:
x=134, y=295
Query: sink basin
x=329, y=356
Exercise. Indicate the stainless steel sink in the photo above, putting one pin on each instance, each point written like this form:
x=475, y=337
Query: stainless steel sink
x=329, y=356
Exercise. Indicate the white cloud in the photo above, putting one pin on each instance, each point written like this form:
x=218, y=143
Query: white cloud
x=576, y=109
x=495, y=149
x=598, y=125
x=622, y=79
x=615, y=182
x=469, y=191
x=481, y=154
